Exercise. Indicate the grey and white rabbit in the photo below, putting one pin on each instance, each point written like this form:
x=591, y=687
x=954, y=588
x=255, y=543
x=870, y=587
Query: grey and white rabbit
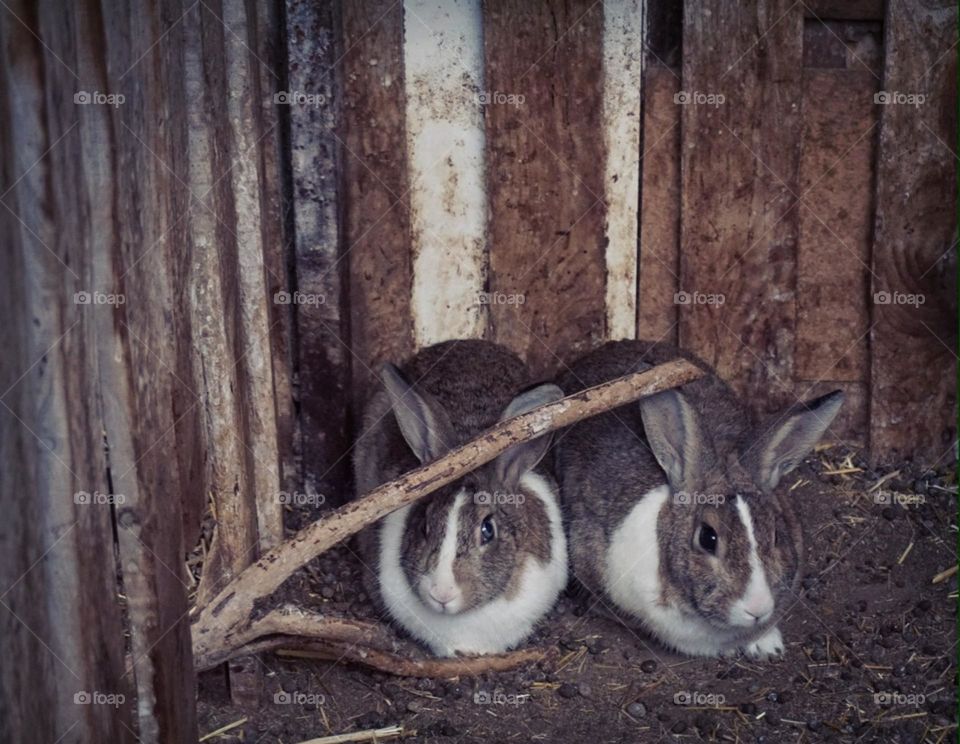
x=677, y=508
x=472, y=567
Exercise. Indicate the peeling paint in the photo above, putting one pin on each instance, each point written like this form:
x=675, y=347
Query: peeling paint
x=443, y=57
x=623, y=33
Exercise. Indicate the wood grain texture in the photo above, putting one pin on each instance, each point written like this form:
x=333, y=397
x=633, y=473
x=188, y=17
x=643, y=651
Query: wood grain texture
x=59, y=616
x=914, y=342
x=271, y=50
x=213, y=298
x=739, y=168
x=852, y=10
x=545, y=178
x=657, y=312
x=137, y=350
x=833, y=255
x=322, y=356
x=443, y=71
x=243, y=210
x=624, y=28
x=376, y=220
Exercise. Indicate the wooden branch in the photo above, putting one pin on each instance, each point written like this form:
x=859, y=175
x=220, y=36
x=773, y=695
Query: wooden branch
x=310, y=635
x=225, y=624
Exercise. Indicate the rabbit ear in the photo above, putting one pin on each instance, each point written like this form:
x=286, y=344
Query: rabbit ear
x=784, y=445
x=423, y=422
x=520, y=459
x=673, y=430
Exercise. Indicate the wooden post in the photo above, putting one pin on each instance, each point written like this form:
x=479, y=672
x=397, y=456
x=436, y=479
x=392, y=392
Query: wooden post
x=913, y=393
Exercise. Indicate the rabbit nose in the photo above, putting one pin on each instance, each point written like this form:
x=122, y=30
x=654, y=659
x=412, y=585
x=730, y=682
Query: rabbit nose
x=443, y=594
x=759, y=608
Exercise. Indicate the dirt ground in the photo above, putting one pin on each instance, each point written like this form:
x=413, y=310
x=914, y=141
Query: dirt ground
x=871, y=649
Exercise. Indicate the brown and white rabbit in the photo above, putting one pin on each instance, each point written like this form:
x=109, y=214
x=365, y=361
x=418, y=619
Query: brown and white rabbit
x=676, y=506
x=471, y=568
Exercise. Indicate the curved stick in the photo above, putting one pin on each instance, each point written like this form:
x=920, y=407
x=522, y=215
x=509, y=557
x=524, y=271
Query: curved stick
x=224, y=625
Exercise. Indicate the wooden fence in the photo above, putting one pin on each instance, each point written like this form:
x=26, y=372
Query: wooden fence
x=218, y=218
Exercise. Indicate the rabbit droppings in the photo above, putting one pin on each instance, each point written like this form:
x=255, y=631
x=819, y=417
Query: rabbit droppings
x=676, y=506
x=474, y=566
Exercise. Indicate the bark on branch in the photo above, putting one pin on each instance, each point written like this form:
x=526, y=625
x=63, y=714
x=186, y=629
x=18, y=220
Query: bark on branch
x=226, y=623
x=310, y=635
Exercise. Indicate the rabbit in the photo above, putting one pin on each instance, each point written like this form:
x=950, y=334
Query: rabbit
x=677, y=509
x=471, y=568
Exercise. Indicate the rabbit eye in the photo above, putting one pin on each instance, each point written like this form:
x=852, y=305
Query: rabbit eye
x=708, y=538
x=488, y=530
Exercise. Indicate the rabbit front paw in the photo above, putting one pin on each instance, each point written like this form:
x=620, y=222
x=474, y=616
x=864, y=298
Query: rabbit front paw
x=767, y=647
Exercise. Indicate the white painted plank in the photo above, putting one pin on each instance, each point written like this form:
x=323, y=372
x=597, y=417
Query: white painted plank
x=624, y=27
x=443, y=58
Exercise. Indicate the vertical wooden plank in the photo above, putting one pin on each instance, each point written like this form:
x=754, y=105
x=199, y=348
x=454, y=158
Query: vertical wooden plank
x=137, y=350
x=443, y=75
x=270, y=38
x=376, y=221
x=624, y=30
x=545, y=187
x=659, y=207
x=214, y=377
x=739, y=186
x=246, y=255
x=914, y=340
x=59, y=616
x=322, y=352
x=833, y=253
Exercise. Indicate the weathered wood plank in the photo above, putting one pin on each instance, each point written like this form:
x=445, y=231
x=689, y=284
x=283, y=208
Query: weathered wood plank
x=833, y=253
x=443, y=74
x=914, y=336
x=59, y=616
x=843, y=45
x=271, y=49
x=323, y=360
x=624, y=29
x=544, y=180
x=739, y=168
x=137, y=350
x=244, y=208
x=657, y=315
x=215, y=375
x=376, y=222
